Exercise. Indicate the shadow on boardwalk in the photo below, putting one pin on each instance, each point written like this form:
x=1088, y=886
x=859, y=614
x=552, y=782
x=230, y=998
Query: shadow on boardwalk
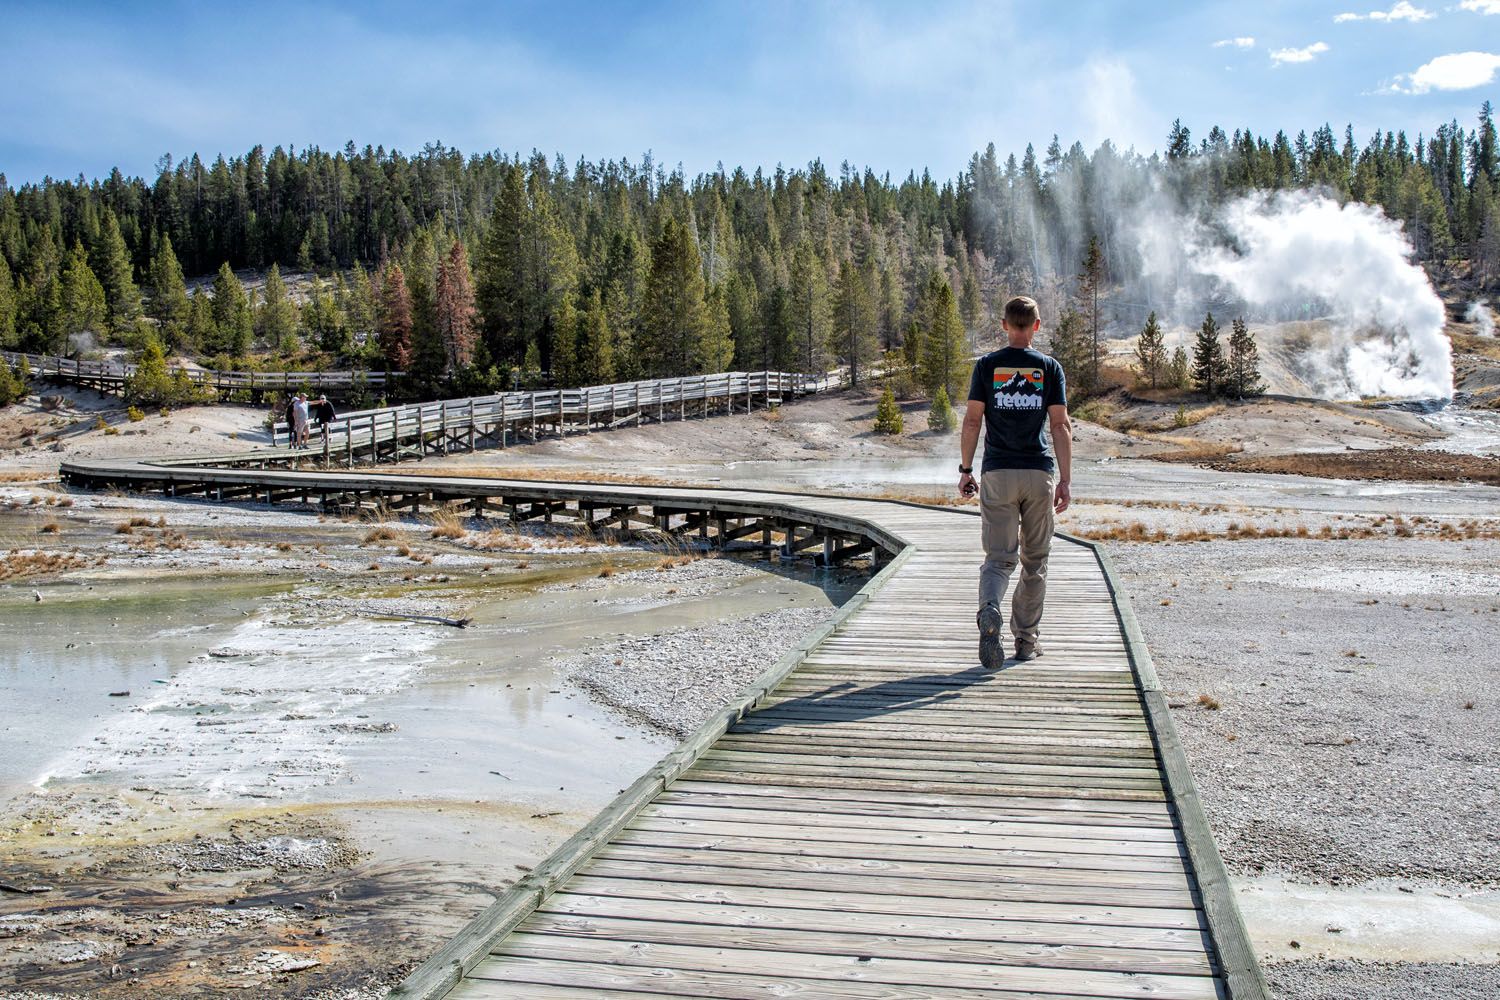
x=848, y=702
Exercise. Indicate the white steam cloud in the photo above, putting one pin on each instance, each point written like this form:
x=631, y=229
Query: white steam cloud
x=1330, y=290
x=1479, y=315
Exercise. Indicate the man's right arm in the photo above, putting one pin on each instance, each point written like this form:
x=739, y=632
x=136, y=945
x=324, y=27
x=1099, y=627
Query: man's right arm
x=968, y=444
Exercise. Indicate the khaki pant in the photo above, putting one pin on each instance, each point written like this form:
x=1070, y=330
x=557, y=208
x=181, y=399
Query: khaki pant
x=1016, y=505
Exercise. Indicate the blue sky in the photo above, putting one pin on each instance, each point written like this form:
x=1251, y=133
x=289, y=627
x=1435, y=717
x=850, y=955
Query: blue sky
x=895, y=86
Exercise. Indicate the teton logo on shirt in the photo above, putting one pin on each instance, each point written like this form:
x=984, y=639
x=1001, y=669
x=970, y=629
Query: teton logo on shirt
x=1019, y=388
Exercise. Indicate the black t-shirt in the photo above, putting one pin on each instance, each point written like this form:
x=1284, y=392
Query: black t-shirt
x=1016, y=385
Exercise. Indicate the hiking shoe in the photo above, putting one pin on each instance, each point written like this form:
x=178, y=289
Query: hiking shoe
x=991, y=653
x=1026, y=651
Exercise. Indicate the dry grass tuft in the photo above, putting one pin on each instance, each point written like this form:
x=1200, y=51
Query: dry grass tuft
x=283, y=546
x=607, y=571
x=50, y=528
x=18, y=564
x=1208, y=702
x=124, y=528
x=384, y=533
x=447, y=524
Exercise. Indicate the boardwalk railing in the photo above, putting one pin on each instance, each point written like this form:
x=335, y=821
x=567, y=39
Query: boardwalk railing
x=110, y=376
x=419, y=429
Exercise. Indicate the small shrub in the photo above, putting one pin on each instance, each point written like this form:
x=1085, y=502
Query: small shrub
x=381, y=534
x=100, y=423
x=50, y=528
x=1180, y=418
x=134, y=414
x=111, y=431
x=940, y=417
x=607, y=571
x=1208, y=702
x=888, y=419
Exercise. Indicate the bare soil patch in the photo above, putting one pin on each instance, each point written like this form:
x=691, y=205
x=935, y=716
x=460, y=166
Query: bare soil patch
x=1403, y=464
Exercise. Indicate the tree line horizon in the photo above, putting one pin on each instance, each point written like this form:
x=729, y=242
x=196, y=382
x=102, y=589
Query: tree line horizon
x=470, y=272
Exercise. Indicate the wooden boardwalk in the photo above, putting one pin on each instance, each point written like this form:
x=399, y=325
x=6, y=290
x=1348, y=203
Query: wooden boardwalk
x=875, y=817
x=890, y=821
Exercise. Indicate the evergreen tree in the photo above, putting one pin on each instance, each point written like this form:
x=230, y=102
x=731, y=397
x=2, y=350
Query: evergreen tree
x=429, y=355
x=1068, y=343
x=231, y=313
x=940, y=417
x=595, y=343
x=945, y=354
x=277, y=321
x=7, y=306
x=456, y=313
x=359, y=305
x=811, y=312
x=324, y=321
x=169, y=300
x=39, y=295
x=1242, y=372
x=531, y=367
x=82, y=296
x=1208, y=358
x=854, y=319
x=716, y=351
x=13, y=387
x=1150, y=352
x=566, y=369
x=1088, y=294
x=501, y=274
x=909, y=375
x=674, y=317
x=1179, y=371
x=112, y=265
x=394, y=319
x=888, y=418
x=201, y=331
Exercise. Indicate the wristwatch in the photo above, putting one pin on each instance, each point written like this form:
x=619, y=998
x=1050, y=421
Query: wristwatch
x=966, y=469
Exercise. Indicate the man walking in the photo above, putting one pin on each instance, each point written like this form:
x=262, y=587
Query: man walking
x=1016, y=392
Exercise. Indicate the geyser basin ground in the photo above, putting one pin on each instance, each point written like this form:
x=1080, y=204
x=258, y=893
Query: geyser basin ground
x=289, y=781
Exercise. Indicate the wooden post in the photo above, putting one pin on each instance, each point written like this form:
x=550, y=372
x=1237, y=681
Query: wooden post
x=471, y=425
x=532, y=398
x=443, y=426
x=348, y=444
x=503, y=427
x=588, y=410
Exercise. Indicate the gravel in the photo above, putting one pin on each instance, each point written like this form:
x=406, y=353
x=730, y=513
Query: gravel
x=1382, y=981
x=1355, y=735
x=675, y=680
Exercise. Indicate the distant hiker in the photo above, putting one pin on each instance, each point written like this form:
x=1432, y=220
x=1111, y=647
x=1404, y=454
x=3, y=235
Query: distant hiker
x=299, y=421
x=322, y=412
x=1016, y=392
x=289, y=416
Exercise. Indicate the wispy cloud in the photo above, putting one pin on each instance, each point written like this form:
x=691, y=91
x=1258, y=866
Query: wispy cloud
x=1243, y=41
x=1481, y=6
x=1455, y=71
x=1305, y=54
x=1401, y=11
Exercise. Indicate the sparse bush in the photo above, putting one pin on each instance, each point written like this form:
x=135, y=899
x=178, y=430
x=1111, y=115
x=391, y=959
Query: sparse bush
x=1208, y=702
x=940, y=417
x=888, y=419
x=134, y=414
x=50, y=528
x=13, y=386
x=384, y=533
x=1180, y=418
x=100, y=423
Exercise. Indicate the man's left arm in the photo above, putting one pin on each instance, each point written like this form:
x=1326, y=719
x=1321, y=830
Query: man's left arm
x=1062, y=446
